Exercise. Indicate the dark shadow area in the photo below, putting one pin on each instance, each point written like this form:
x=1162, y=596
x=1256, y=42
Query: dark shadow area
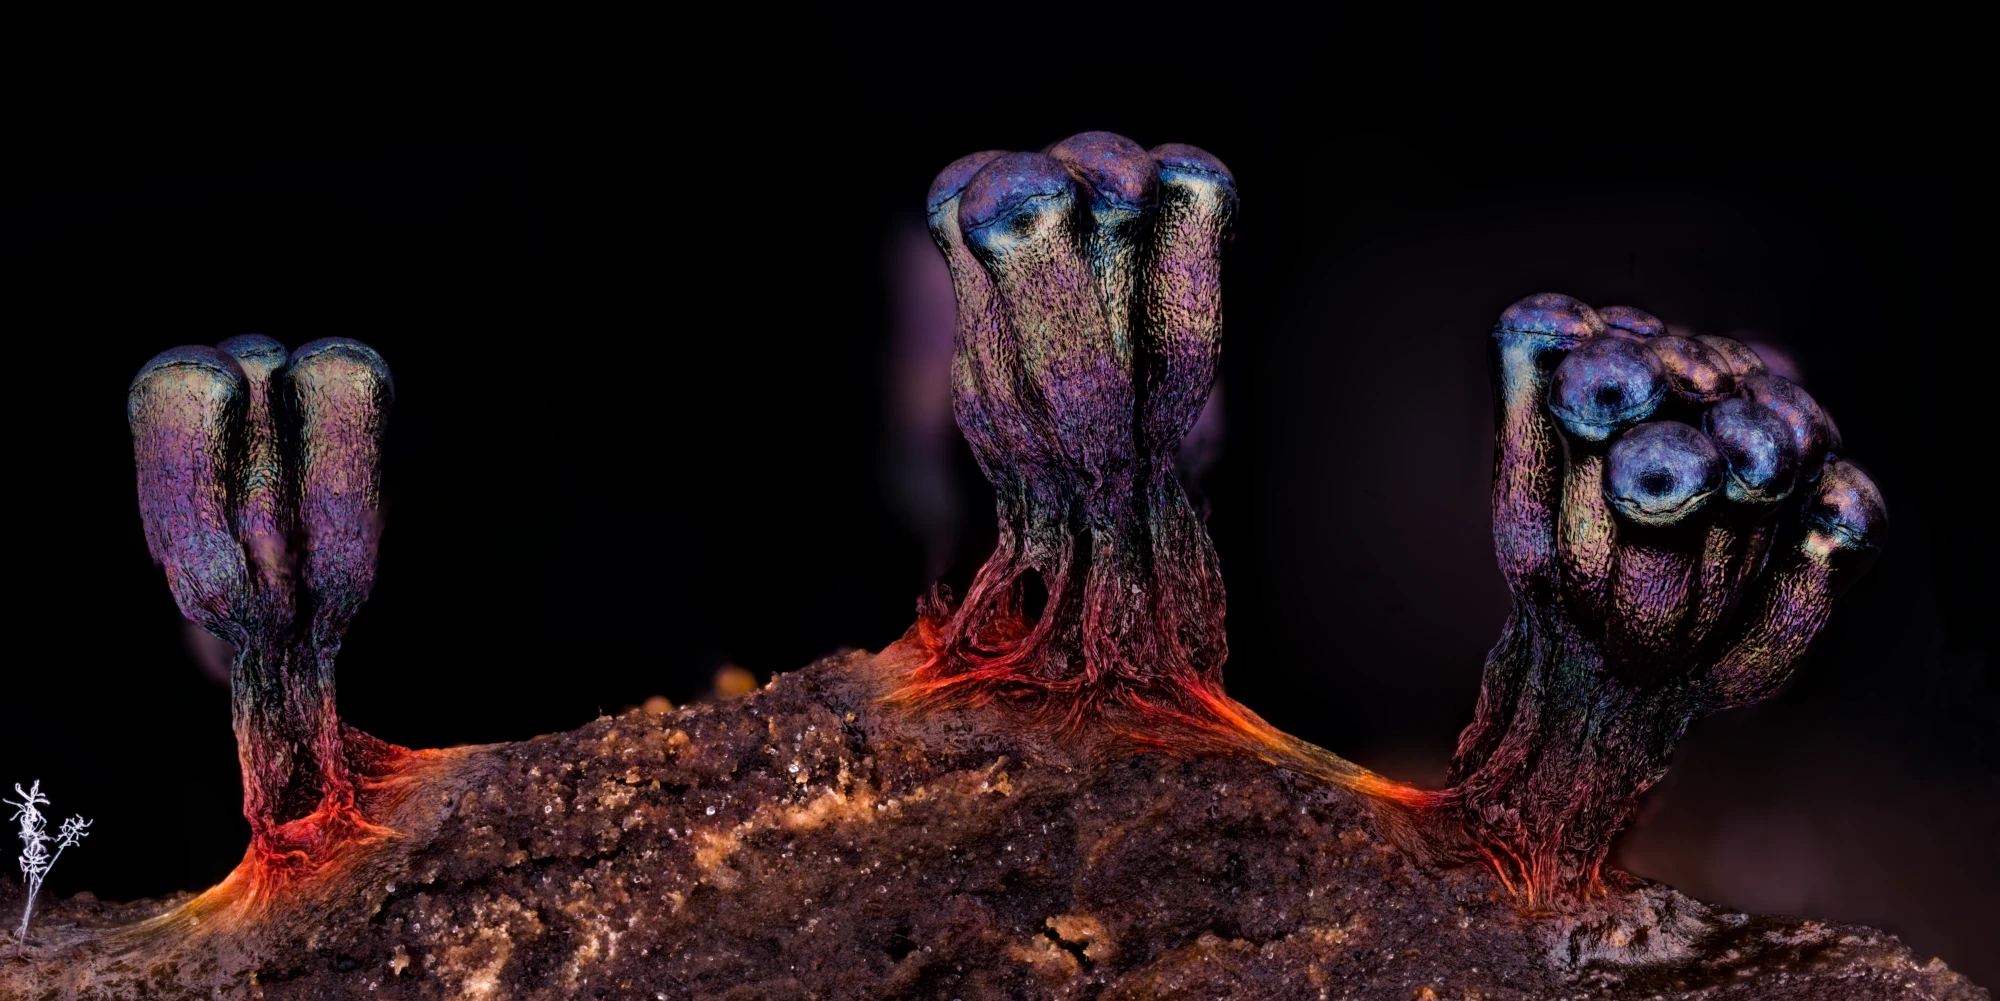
x=653, y=415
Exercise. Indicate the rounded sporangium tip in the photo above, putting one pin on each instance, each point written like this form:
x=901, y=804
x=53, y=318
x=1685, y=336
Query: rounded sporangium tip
x=1119, y=172
x=1847, y=506
x=953, y=178
x=1661, y=472
x=1552, y=315
x=1183, y=158
x=1013, y=185
x=192, y=357
x=201, y=371
x=257, y=353
x=1757, y=447
x=1697, y=372
x=1604, y=385
x=1626, y=321
x=328, y=355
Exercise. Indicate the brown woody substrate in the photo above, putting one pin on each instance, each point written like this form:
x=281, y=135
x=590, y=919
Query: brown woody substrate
x=809, y=842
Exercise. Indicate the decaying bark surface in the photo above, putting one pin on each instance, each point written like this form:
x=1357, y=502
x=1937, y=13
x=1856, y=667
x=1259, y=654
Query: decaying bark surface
x=813, y=841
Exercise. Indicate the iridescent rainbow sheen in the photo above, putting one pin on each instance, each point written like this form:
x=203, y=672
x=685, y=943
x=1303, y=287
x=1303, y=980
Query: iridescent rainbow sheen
x=1089, y=321
x=1692, y=567
x=259, y=488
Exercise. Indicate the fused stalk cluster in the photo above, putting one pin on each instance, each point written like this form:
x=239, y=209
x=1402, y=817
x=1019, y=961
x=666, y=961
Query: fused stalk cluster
x=1674, y=522
x=259, y=487
x=1089, y=321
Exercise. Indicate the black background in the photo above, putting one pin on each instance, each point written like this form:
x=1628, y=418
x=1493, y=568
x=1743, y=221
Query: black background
x=643, y=304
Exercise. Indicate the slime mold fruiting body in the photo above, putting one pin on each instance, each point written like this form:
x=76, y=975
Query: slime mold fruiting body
x=1088, y=281
x=1672, y=520
x=1674, y=523
x=259, y=489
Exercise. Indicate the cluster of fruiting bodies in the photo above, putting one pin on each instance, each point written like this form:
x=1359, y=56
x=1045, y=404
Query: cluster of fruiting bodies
x=1673, y=521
